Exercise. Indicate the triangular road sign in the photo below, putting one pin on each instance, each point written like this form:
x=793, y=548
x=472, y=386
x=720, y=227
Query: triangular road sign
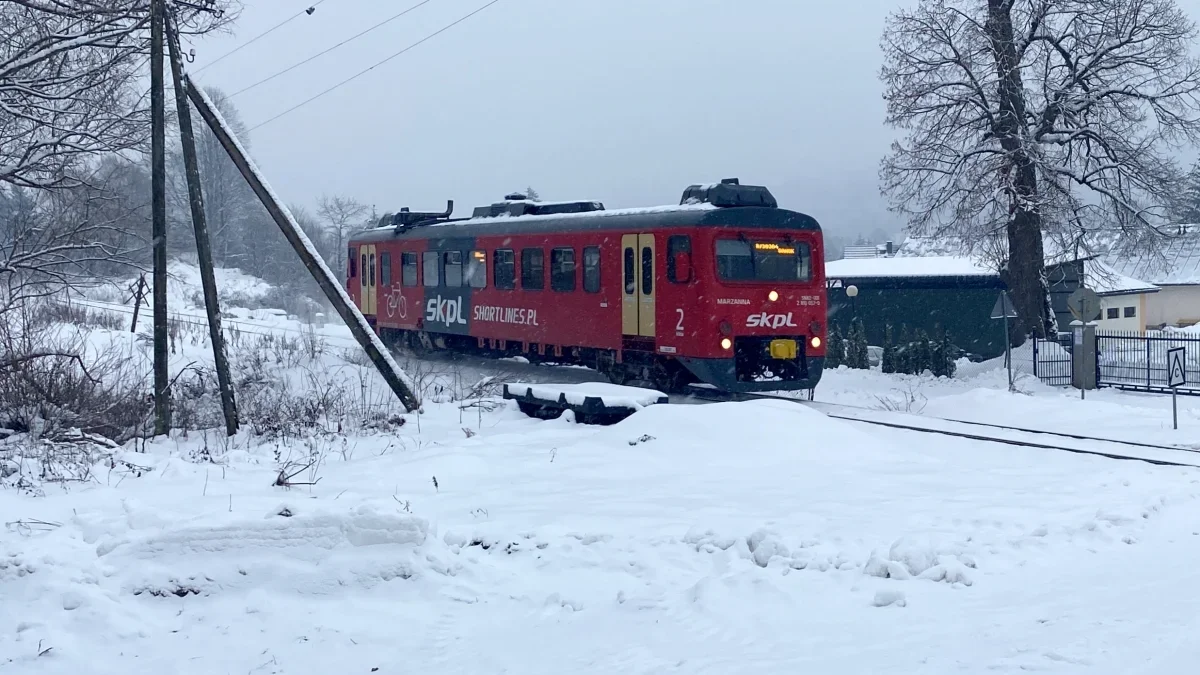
x=1176, y=373
x=1003, y=309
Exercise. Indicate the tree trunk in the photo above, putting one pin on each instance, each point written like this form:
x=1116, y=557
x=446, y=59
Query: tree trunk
x=1026, y=257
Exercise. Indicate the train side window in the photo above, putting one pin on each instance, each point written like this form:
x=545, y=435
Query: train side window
x=385, y=269
x=679, y=259
x=647, y=271
x=372, y=269
x=363, y=267
x=562, y=269
x=735, y=260
x=533, y=269
x=591, y=269
x=803, y=262
x=504, y=272
x=429, y=261
x=477, y=269
x=454, y=268
x=408, y=269
x=353, y=260
x=630, y=281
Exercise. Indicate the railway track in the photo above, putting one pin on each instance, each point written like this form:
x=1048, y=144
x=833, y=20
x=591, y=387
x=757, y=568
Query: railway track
x=1006, y=435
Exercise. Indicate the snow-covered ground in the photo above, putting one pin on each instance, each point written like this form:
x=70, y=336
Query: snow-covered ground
x=757, y=537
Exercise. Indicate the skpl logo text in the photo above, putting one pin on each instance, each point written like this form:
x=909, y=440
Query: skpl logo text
x=765, y=320
x=447, y=311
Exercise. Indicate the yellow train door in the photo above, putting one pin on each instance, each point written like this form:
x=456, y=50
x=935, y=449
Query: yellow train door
x=363, y=296
x=372, y=281
x=637, y=277
x=629, y=294
x=646, y=285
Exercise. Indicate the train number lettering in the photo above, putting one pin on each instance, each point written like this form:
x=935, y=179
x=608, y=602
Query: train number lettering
x=765, y=320
x=679, y=326
x=446, y=311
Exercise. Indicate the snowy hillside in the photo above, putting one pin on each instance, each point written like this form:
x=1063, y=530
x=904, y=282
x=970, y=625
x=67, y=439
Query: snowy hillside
x=336, y=534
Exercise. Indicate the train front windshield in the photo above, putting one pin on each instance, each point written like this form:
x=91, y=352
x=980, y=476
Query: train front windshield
x=747, y=260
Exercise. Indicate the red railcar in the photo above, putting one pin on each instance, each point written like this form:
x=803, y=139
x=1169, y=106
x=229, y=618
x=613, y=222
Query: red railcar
x=725, y=288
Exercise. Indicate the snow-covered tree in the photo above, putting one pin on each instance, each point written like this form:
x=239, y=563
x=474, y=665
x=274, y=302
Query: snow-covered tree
x=1032, y=118
x=1188, y=210
x=71, y=84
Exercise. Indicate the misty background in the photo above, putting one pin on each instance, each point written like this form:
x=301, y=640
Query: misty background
x=626, y=101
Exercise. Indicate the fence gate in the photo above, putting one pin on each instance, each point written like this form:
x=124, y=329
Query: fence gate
x=1138, y=361
x=1052, y=360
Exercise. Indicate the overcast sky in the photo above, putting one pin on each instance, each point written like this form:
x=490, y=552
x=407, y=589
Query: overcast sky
x=625, y=101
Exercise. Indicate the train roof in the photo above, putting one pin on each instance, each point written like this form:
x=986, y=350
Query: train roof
x=631, y=220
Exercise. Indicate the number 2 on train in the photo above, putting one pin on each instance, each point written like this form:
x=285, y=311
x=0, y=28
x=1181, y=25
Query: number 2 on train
x=679, y=326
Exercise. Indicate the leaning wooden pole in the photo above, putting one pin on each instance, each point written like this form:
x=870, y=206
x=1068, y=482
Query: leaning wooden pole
x=370, y=342
x=158, y=179
x=208, y=279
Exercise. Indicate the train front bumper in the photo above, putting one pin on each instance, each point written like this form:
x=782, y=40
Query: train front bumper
x=723, y=374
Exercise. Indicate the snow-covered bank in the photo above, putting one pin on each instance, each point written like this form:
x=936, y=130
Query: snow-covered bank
x=733, y=537
x=337, y=534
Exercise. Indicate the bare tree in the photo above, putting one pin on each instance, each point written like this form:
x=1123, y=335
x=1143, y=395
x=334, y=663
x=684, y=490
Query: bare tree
x=55, y=240
x=1034, y=121
x=229, y=204
x=341, y=215
x=69, y=83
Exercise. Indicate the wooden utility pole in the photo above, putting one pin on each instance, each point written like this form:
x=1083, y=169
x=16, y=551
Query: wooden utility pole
x=139, y=294
x=158, y=172
x=332, y=287
x=199, y=224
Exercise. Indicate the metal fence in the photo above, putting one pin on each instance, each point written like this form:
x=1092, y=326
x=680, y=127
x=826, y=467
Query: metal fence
x=1052, y=360
x=1138, y=361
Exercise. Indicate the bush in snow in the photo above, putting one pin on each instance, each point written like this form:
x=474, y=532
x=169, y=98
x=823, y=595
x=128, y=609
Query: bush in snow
x=903, y=351
x=857, y=354
x=888, y=362
x=835, y=355
x=942, y=362
x=54, y=378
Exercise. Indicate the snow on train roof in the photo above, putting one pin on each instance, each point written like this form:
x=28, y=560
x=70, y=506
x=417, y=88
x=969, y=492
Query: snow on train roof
x=506, y=219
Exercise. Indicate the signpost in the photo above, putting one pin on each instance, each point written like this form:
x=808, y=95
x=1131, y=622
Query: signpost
x=1004, y=310
x=1176, y=377
x=1084, y=304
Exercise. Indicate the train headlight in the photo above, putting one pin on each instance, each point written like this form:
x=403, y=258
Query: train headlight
x=773, y=296
x=726, y=343
x=816, y=342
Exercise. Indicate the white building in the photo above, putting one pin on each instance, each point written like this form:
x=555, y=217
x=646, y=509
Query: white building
x=1124, y=301
x=1175, y=271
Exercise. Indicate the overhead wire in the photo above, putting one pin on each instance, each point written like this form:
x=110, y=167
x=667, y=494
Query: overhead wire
x=322, y=53
x=373, y=67
x=308, y=10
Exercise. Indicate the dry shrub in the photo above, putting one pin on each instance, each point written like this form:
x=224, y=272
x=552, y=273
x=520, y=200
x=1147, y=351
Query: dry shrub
x=49, y=382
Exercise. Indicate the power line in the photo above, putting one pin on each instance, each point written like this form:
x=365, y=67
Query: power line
x=319, y=54
x=281, y=24
x=364, y=72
